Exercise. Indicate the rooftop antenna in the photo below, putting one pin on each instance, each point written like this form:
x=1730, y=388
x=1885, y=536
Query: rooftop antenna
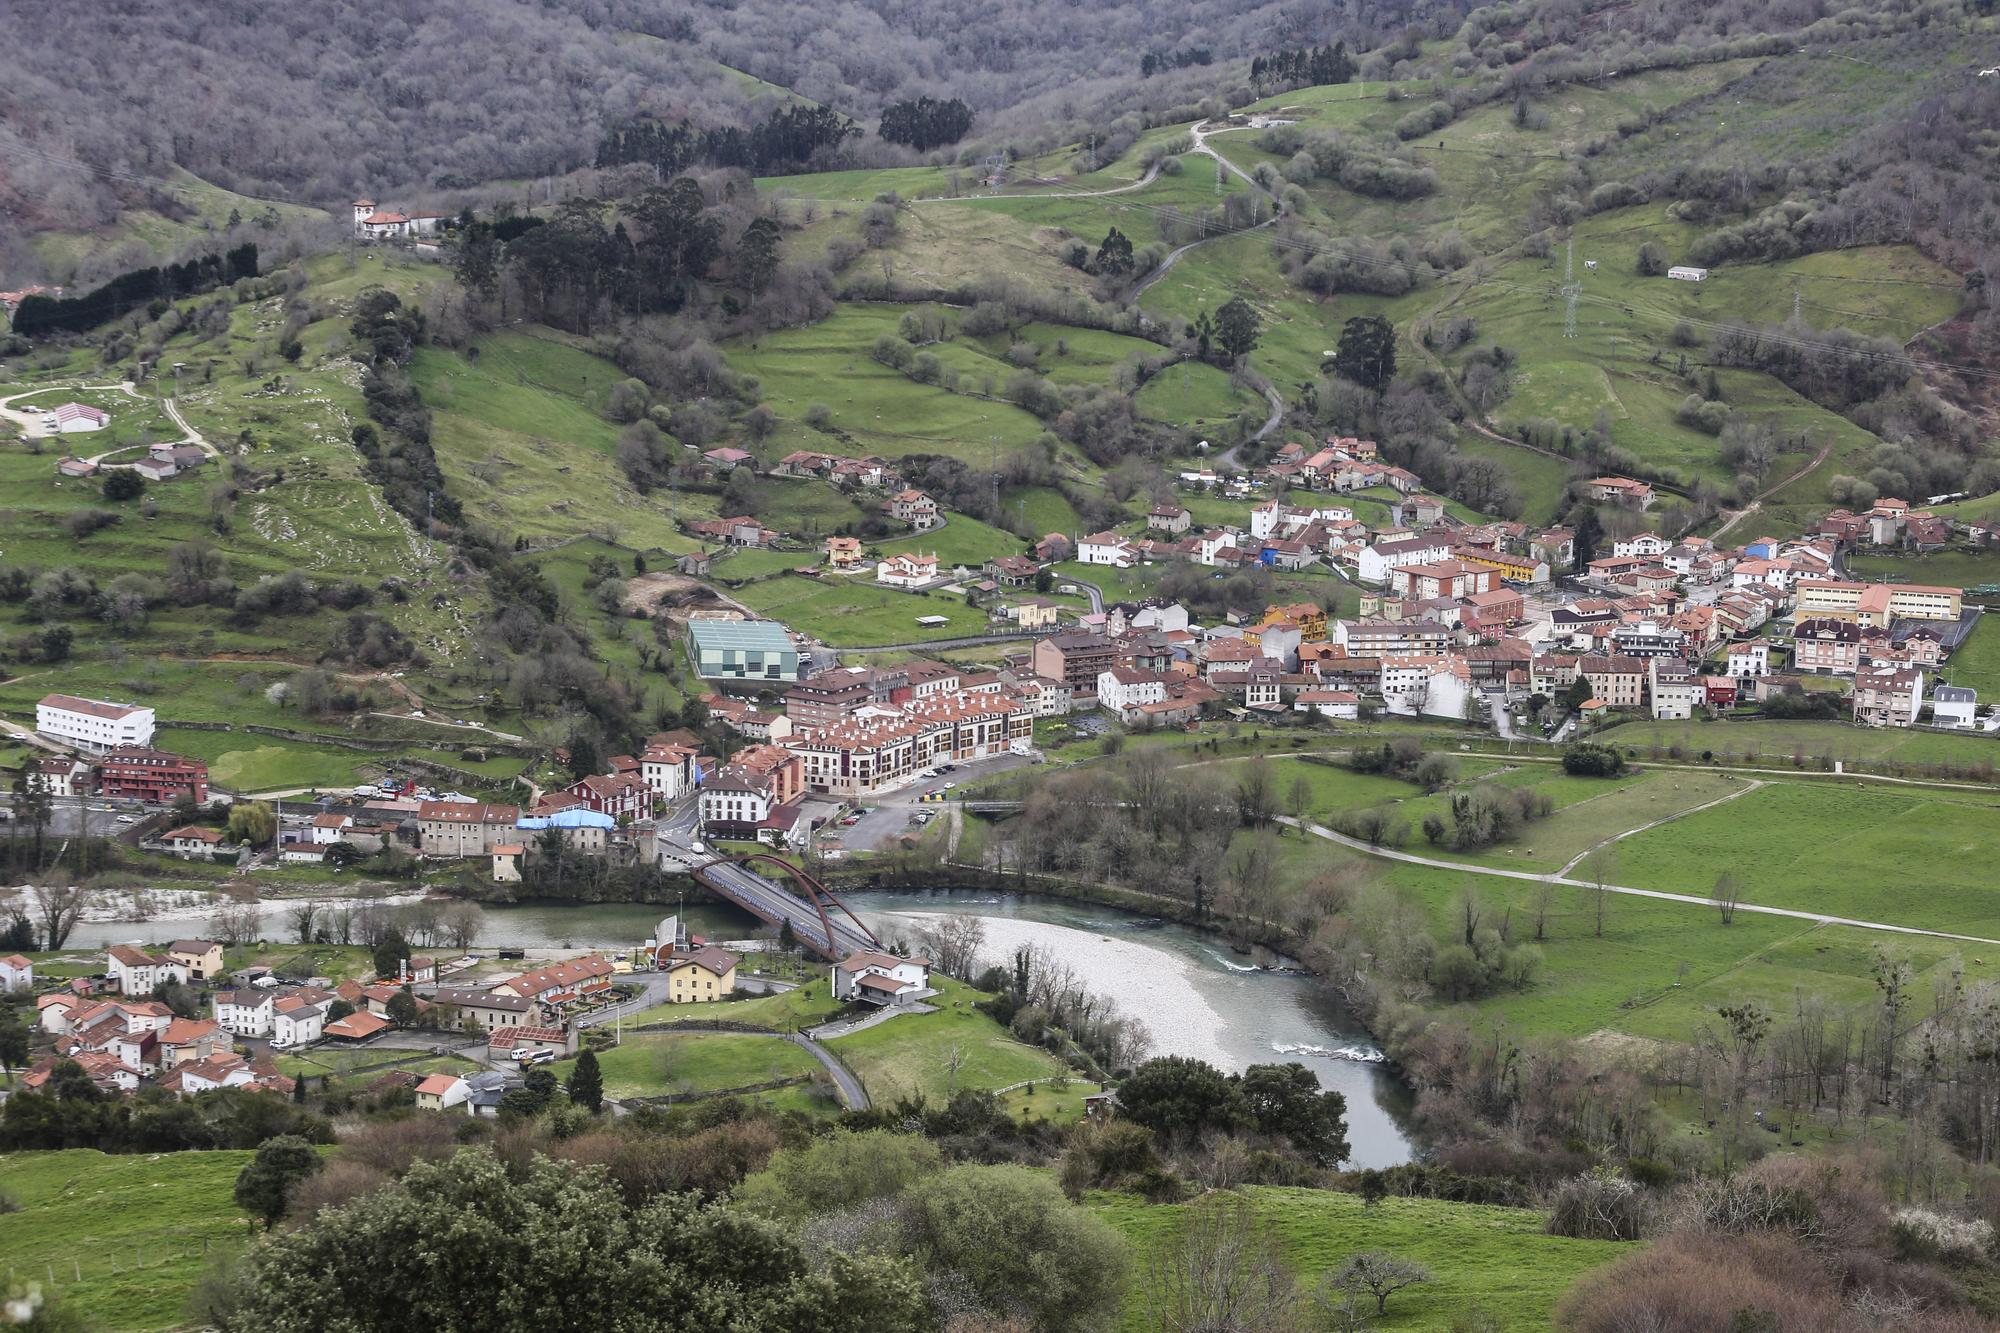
x=1571, y=289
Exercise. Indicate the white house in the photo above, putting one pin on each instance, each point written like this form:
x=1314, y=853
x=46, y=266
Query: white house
x=1448, y=692
x=246, y=1012
x=1750, y=659
x=907, y=571
x=1672, y=691
x=1340, y=705
x=330, y=828
x=17, y=973
x=92, y=724
x=1951, y=706
x=881, y=979
x=441, y=1092
x=1646, y=545
x=381, y=224
x=1122, y=690
x=297, y=1021
x=1107, y=548
x=1687, y=273
x=1212, y=543
x=1377, y=560
x=136, y=972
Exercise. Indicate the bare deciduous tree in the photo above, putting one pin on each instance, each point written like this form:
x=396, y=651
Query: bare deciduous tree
x=303, y=918
x=1726, y=895
x=460, y=924
x=953, y=943
x=59, y=908
x=238, y=923
x=1224, y=1275
x=1380, y=1274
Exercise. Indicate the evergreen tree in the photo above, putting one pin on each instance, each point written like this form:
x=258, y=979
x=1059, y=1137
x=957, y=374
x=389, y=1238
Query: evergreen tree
x=1114, y=257
x=1367, y=352
x=264, y=1187
x=390, y=953
x=586, y=1083
x=1237, y=328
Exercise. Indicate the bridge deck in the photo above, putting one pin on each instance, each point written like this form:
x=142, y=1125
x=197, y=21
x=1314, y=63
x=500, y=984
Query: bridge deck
x=815, y=928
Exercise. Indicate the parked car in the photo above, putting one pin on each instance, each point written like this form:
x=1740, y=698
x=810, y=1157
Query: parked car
x=127, y=819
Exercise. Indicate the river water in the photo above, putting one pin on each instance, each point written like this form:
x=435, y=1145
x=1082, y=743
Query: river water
x=1195, y=997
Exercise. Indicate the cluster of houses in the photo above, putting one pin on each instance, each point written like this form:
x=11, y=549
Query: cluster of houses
x=903, y=504
x=124, y=1040
x=161, y=462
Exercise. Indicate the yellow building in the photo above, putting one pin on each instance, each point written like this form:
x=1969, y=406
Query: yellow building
x=696, y=976
x=1875, y=605
x=1310, y=619
x=843, y=552
x=1520, y=568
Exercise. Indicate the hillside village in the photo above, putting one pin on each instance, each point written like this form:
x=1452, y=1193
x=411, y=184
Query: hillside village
x=1058, y=670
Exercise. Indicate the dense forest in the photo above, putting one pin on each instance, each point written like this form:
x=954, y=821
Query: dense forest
x=325, y=100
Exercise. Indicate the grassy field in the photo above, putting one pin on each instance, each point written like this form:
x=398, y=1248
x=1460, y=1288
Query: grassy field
x=1952, y=568
x=874, y=409
x=1977, y=663
x=1779, y=744
x=961, y=541
x=910, y=1054
x=1496, y=1260
x=1867, y=851
x=520, y=439
x=208, y=209
x=854, y=615
x=786, y=1012
x=659, y=1064
x=124, y=1238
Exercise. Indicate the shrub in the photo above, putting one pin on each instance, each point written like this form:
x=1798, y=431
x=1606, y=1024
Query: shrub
x=1602, y=1205
x=1585, y=760
x=1922, y=1234
x=1424, y=119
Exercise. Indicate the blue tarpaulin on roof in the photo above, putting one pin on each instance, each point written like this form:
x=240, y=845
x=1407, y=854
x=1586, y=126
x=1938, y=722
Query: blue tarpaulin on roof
x=566, y=819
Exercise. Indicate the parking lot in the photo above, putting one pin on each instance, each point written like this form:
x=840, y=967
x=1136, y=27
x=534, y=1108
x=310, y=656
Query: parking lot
x=889, y=815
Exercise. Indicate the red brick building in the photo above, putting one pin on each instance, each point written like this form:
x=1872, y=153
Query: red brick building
x=151, y=775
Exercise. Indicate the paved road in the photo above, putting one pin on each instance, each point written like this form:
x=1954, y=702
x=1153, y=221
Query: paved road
x=852, y=1095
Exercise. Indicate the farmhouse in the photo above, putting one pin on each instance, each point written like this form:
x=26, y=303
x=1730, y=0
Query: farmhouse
x=881, y=979
x=1620, y=490
x=1107, y=548
x=376, y=224
x=907, y=571
x=914, y=508
x=699, y=975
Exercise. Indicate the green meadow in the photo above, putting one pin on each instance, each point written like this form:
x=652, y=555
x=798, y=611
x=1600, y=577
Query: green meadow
x=914, y=1053
x=1496, y=1260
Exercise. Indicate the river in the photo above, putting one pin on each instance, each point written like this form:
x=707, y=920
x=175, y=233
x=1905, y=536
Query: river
x=1194, y=996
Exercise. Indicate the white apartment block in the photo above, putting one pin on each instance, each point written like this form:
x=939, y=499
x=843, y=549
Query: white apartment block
x=92, y=724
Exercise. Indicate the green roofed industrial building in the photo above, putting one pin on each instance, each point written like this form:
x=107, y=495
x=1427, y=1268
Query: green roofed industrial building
x=743, y=650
